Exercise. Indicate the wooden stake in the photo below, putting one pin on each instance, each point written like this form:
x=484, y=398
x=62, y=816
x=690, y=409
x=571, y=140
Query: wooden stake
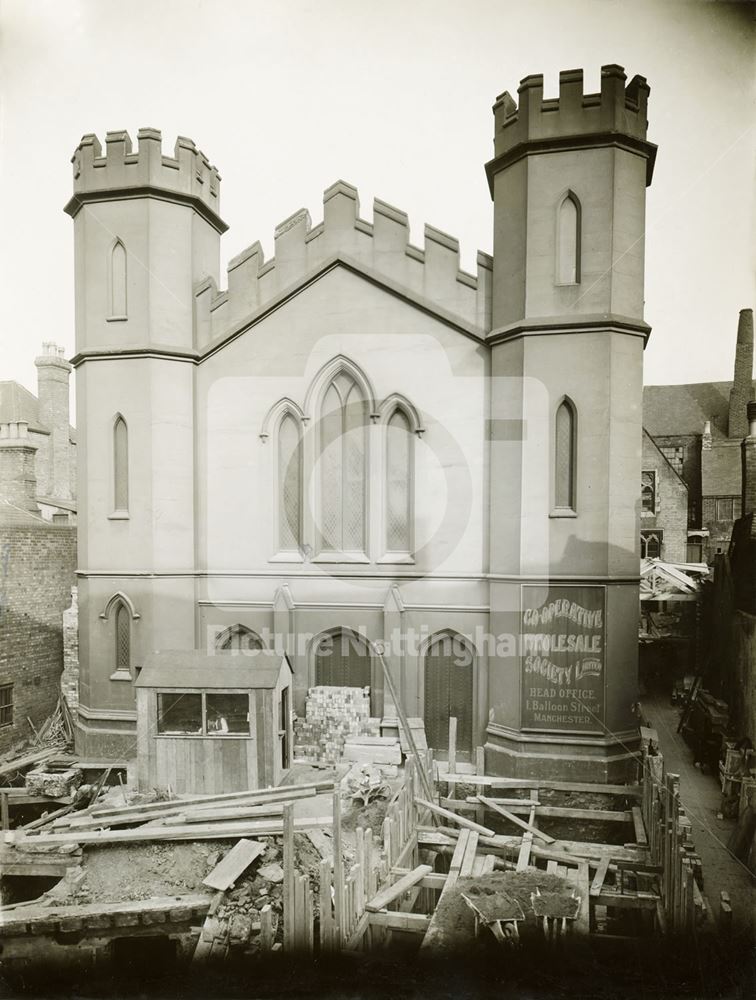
x=338, y=874
x=289, y=897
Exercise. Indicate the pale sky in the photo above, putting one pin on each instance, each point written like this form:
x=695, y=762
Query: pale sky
x=393, y=96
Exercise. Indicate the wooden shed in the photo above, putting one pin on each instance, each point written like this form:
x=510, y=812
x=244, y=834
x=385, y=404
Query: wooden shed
x=209, y=724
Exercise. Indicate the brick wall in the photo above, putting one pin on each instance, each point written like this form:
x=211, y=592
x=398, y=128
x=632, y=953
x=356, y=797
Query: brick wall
x=671, y=513
x=37, y=563
x=69, y=681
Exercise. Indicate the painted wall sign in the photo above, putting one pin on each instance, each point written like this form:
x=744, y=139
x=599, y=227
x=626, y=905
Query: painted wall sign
x=563, y=659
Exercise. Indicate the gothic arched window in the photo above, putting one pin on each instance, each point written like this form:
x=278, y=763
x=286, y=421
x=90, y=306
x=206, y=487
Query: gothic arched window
x=398, y=483
x=343, y=447
x=121, y=464
x=565, y=448
x=117, y=302
x=568, y=240
x=289, y=485
x=238, y=637
x=122, y=639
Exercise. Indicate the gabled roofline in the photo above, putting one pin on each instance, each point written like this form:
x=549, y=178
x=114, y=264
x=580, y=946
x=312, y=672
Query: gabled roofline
x=336, y=260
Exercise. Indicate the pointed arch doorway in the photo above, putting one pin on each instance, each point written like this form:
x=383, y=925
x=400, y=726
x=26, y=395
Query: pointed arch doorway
x=449, y=664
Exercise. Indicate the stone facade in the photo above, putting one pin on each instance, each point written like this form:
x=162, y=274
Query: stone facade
x=489, y=433
x=37, y=561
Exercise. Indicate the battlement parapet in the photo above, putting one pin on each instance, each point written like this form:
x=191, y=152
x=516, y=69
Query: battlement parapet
x=618, y=108
x=188, y=174
x=431, y=273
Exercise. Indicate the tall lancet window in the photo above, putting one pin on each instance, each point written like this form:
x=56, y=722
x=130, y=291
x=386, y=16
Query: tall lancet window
x=117, y=304
x=398, y=483
x=122, y=639
x=565, y=451
x=289, y=485
x=343, y=424
x=121, y=465
x=568, y=240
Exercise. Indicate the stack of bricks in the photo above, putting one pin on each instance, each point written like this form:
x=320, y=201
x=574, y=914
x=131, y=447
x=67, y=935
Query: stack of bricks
x=332, y=716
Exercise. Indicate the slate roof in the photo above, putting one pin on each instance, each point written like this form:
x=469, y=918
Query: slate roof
x=192, y=668
x=12, y=516
x=17, y=403
x=682, y=409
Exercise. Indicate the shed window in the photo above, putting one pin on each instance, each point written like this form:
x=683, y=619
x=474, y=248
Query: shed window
x=6, y=705
x=180, y=714
x=227, y=713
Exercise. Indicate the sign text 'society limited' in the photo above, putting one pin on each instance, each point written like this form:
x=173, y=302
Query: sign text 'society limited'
x=562, y=655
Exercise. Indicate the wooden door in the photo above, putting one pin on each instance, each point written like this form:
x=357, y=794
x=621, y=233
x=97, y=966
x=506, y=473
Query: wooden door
x=449, y=692
x=342, y=660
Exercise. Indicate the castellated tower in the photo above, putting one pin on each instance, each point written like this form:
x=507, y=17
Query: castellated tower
x=147, y=228
x=568, y=183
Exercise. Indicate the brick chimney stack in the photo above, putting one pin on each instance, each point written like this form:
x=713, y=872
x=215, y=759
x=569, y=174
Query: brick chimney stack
x=749, y=461
x=742, y=383
x=54, y=462
x=18, y=483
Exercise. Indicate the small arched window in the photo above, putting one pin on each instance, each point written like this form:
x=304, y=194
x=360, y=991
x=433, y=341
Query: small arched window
x=122, y=639
x=343, y=444
x=398, y=482
x=117, y=302
x=568, y=240
x=121, y=465
x=289, y=485
x=238, y=637
x=565, y=448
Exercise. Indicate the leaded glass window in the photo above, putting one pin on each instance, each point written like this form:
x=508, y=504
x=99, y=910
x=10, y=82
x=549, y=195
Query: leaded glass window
x=289, y=485
x=398, y=478
x=342, y=466
x=123, y=638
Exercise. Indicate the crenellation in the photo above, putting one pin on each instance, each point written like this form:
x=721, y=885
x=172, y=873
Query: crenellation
x=619, y=107
x=432, y=271
x=187, y=173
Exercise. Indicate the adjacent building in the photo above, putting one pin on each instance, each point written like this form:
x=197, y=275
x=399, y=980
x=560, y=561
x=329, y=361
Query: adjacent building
x=43, y=422
x=698, y=430
x=358, y=452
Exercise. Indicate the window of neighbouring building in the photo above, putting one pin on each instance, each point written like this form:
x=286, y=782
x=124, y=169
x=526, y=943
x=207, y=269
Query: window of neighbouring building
x=651, y=544
x=648, y=492
x=674, y=455
x=727, y=508
x=694, y=549
x=6, y=704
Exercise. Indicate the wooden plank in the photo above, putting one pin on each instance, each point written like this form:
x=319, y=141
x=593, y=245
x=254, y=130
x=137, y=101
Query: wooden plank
x=194, y=831
x=634, y=791
x=392, y=892
x=459, y=820
x=4, y=812
x=523, y=808
x=523, y=859
x=273, y=794
x=289, y=888
x=211, y=815
x=338, y=874
x=640, y=829
x=638, y=901
x=238, y=859
x=494, y=806
x=468, y=859
x=598, y=881
x=392, y=920
x=452, y=753
x=410, y=736
x=266, y=928
x=582, y=923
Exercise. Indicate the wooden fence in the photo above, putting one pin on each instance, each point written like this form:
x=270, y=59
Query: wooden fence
x=341, y=920
x=671, y=846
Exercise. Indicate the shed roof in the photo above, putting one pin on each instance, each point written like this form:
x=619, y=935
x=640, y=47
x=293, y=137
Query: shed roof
x=193, y=668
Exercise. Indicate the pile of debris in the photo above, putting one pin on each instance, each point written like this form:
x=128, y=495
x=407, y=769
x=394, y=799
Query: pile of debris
x=333, y=715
